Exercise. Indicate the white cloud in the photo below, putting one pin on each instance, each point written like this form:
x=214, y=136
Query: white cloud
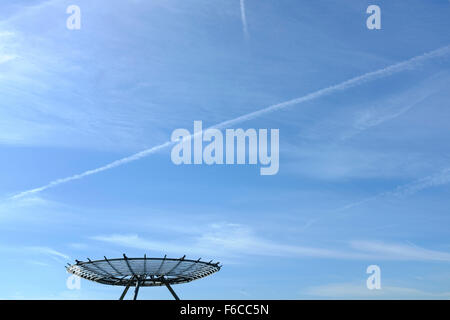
x=47, y=251
x=323, y=150
x=438, y=179
x=340, y=162
x=135, y=241
x=38, y=263
x=360, y=291
x=392, y=69
x=400, y=251
x=225, y=241
x=33, y=254
x=434, y=180
x=230, y=241
x=7, y=57
x=79, y=246
x=26, y=208
x=7, y=46
x=25, y=10
x=395, y=106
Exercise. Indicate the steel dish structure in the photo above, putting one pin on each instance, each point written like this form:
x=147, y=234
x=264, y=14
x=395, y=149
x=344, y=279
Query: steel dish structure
x=143, y=272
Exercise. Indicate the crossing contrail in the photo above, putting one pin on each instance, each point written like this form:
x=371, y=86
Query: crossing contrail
x=437, y=179
x=244, y=19
x=392, y=69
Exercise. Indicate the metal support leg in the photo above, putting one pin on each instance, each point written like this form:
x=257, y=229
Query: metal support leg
x=136, y=290
x=126, y=289
x=170, y=289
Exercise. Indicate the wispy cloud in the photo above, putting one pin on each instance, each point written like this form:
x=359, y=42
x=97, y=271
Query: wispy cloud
x=6, y=38
x=395, y=68
x=440, y=178
x=231, y=241
x=226, y=241
x=395, y=106
x=47, y=251
x=244, y=19
x=28, y=10
x=10, y=208
x=38, y=263
x=37, y=251
x=137, y=242
x=360, y=291
x=399, y=251
x=6, y=34
x=7, y=57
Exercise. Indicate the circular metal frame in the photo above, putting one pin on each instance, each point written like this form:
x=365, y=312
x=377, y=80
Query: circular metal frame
x=144, y=272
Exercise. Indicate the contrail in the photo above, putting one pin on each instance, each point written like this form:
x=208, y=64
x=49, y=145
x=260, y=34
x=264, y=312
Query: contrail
x=398, y=67
x=111, y=165
x=434, y=180
x=438, y=179
x=244, y=19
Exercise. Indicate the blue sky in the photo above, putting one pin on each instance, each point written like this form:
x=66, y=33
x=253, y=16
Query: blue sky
x=364, y=171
